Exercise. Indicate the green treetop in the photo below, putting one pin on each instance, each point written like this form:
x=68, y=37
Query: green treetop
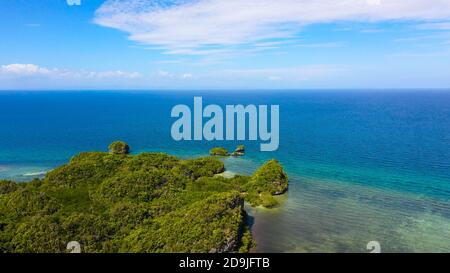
x=119, y=148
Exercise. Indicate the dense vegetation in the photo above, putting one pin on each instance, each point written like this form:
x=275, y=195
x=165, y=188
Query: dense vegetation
x=220, y=151
x=151, y=202
x=119, y=147
x=270, y=178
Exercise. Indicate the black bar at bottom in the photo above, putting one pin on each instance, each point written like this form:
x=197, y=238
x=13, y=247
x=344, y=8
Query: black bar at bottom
x=214, y=262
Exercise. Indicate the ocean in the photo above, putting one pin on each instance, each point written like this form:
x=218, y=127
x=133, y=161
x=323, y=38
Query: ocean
x=363, y=165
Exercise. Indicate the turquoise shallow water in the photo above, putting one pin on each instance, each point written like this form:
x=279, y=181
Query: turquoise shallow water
x=363, y=166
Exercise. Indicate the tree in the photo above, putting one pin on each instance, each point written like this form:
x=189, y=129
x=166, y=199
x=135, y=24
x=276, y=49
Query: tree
x=270, y=178
x=218, y=151
x=152, y=202
x=119, y=148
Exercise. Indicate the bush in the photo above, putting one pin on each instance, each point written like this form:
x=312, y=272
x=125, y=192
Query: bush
x=267, y=200
x=148, y=161
x=119, y=148
x=210, y=225
x=7, y=186
x=38, y=234
x=87, y=168
x=206, y=166
x=135, y=186
x=247, y=242
x=270, y=178
x=218, y=151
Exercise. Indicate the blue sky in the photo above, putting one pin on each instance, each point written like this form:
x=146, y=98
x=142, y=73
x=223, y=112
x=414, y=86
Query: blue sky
x=224, y=44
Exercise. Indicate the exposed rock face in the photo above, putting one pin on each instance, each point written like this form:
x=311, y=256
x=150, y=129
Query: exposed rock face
x=239, y=151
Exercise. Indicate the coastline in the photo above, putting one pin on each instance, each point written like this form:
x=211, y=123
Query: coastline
x=311, y=196
x=351, y=167
x=172, y=190
x=23, y=173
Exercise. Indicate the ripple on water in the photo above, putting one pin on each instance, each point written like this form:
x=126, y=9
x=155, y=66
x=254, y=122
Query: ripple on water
x=334, y=216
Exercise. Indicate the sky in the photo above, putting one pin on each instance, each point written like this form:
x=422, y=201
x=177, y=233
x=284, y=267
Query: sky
x=224, y=44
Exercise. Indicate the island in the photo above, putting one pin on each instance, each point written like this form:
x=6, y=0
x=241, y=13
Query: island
x=220, y=151
x=113, y=202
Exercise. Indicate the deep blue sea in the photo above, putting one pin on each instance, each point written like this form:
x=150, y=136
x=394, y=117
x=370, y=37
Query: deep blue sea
x=363, y=165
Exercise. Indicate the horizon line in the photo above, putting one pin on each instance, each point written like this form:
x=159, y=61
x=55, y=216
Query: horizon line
x=360, y=89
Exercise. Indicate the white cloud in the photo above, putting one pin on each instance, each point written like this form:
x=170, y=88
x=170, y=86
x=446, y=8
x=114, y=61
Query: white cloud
x=117, y=74
x=182, y=26
x=186, y=76
x=24, y=69
x=164, y=74
x=32, y=70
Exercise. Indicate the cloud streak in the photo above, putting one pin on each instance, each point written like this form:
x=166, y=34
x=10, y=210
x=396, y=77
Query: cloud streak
x=435, y=26
x=303, y=73
x=181, y=26
x=32, y=70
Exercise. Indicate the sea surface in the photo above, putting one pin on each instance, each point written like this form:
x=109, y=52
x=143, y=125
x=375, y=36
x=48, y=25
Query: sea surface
x=363, y=165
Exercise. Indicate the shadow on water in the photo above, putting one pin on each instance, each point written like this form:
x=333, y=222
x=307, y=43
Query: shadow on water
x=249, y=219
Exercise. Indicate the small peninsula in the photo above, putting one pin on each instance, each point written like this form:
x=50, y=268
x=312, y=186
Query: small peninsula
x=151, y=202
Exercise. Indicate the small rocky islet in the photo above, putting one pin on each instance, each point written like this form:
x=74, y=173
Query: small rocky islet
x=150, y=202
x=220, y=151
